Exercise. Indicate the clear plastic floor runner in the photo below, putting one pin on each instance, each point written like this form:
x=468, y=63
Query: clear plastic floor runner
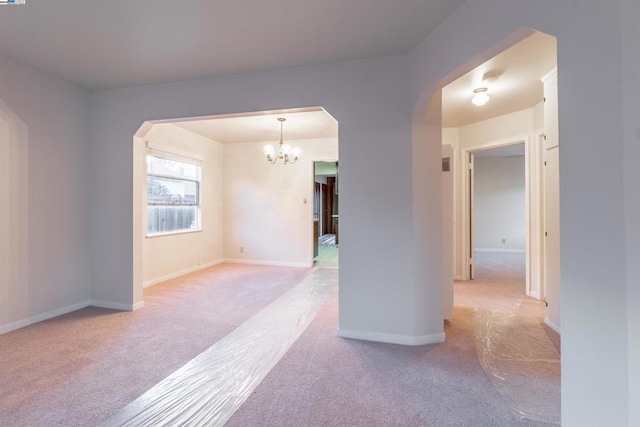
x=522, y=362
x=210, y=388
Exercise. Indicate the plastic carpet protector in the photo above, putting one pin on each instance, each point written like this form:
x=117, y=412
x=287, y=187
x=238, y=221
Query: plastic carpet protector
x=522, y=362
x=210, y=388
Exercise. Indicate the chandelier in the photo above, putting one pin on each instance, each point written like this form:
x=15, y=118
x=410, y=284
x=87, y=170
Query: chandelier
x=287, y=153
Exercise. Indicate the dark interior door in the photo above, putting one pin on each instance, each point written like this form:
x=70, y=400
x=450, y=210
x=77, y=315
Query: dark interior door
x=326, y=210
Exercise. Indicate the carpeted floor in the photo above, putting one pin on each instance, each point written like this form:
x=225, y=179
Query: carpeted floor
x=79, y=369
x=328, y=381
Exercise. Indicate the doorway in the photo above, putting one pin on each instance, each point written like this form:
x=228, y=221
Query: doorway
x=326, y=216
x=498, y=219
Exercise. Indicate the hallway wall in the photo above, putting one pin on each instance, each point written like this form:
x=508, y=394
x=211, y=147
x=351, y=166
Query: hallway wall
x=592, y=204
x=505, y=128
x=631, y=96
x=499, y=204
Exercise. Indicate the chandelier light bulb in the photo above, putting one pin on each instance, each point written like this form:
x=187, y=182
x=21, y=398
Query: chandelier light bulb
x=269, y=151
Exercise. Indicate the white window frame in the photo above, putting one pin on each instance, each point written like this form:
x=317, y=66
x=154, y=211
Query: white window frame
x=181, y=158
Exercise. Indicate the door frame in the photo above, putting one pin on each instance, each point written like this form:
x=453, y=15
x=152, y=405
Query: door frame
x=533, y=209
x=311, y=197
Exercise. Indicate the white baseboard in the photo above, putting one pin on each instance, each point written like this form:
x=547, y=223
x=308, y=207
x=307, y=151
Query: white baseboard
x=180, y=273
x=460, y=278
x=68, y=309
x=392, y=338
x=114, y=305
x=552, y=325
x=44, y=316
x=515, y=251
x=535, y=294
x=272, y=263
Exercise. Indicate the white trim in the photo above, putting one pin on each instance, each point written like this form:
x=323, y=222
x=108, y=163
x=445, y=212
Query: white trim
x=392, y=338
x=518, y=251
x=44, y=316
x=273, y=263
x=460, y=278
x=552, y=325
x=531, y=177
x=549, y=74
x=180, y=273
x=172, y=154
x=115, y=305
x=173, y=233
x=138, y=305
x=535, y=294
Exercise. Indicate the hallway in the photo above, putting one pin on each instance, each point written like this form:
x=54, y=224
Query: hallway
x=519, y=353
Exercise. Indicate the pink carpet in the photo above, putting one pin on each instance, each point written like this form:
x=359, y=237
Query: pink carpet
x=79, y=369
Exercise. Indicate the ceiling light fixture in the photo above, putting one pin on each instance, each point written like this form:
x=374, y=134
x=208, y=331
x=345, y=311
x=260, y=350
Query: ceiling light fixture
x=287, y=153
x=480, y=98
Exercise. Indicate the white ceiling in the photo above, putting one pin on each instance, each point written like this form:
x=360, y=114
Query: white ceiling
x=518, y=87
x=305, y=123
x=101, y=44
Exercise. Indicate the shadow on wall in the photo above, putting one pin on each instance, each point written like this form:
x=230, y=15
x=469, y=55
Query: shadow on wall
x=14, y=218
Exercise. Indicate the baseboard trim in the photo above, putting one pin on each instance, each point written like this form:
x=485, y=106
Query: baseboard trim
x=552, y=325
x=515, y=251
x=535, y=294
x=115, y=305
x=460, y=278
x=44, y=316
x=180, y=273
x=271, y=263
x=392, y=338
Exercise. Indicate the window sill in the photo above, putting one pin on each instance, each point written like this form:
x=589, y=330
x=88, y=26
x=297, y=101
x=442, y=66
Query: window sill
x=173, y=233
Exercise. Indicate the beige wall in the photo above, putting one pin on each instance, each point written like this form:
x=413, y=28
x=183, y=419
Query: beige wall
x=268, y=209
x=499, y=128
x=168, y=256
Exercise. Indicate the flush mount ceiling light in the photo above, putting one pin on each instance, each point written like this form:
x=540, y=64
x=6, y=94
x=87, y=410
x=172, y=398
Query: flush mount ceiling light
x=287, y=153
x=480, y=98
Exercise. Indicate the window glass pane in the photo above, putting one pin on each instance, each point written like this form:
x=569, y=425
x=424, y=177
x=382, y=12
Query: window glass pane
x=160, y=166
x=171, y=191
x=166, y=219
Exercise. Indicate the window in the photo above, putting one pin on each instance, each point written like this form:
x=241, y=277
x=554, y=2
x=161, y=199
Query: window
x=173, y=196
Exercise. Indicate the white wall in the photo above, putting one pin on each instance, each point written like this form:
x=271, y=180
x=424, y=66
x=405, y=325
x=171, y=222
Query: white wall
x=631, y=94
x=385, y=295
x=45, y=194
x=382, y=295
x=169, y=256
x=499, y=204
x=378, y=297
x=595, y=364
x=268, y=209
